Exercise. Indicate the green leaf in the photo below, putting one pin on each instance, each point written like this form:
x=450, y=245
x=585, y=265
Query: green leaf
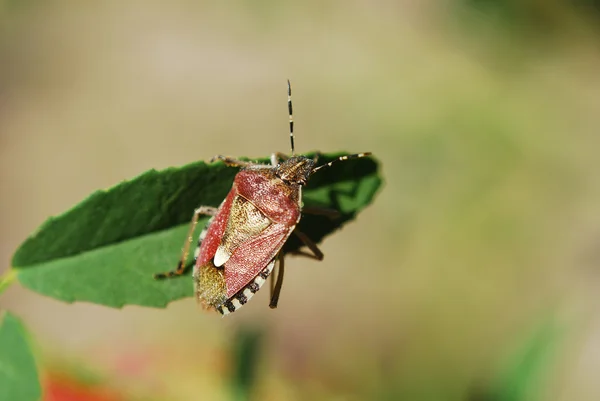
x=18, y=373
x=524, y=374
x=106, y=249
x=7, y=279
x=524, y=377
x=246, y=352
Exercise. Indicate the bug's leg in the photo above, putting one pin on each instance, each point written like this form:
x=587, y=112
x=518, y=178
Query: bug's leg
x=180, y=269
x=272, y=279
x=231, y=161
x=316, y=157
x=321, y=211
x=276, y=290
x=316, y=252
x=275, y=157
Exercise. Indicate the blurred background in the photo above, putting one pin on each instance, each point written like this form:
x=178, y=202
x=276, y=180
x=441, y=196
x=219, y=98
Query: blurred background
x=473, y=276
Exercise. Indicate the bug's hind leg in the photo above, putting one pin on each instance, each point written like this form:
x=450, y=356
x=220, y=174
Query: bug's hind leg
x=276, y=286
x=316, y=252
x=276, y=289
x=180, y=269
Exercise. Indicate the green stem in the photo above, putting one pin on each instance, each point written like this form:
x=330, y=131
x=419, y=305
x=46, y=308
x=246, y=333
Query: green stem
x=7, y=279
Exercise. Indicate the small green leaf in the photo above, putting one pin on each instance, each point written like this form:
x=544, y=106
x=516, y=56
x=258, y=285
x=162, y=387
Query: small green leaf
x=523, y=379
x=7, y=279
x=18, y=373
x=106, y=249
x=246, y=352
x=524, y=374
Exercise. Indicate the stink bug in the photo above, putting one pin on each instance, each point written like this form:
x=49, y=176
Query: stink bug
x=243, y=239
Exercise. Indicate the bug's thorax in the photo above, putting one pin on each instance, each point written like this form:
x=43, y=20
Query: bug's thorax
x=277, y=199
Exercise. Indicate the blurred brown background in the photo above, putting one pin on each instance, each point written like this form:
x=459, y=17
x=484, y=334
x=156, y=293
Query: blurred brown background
x=484, y=115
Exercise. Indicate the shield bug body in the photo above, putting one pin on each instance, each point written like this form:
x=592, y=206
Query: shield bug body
x=238, y=248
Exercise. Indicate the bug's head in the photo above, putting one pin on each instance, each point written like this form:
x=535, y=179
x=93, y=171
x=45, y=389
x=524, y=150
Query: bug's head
x=295, y=170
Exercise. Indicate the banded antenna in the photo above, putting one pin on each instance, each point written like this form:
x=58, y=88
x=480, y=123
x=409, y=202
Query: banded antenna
x=341, y=159
x=291, y=117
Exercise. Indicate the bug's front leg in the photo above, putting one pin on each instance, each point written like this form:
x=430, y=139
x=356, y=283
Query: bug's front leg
x=230, y=161
x=180, y=269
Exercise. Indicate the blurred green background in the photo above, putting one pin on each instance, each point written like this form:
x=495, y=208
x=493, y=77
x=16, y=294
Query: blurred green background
x=473, y=276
